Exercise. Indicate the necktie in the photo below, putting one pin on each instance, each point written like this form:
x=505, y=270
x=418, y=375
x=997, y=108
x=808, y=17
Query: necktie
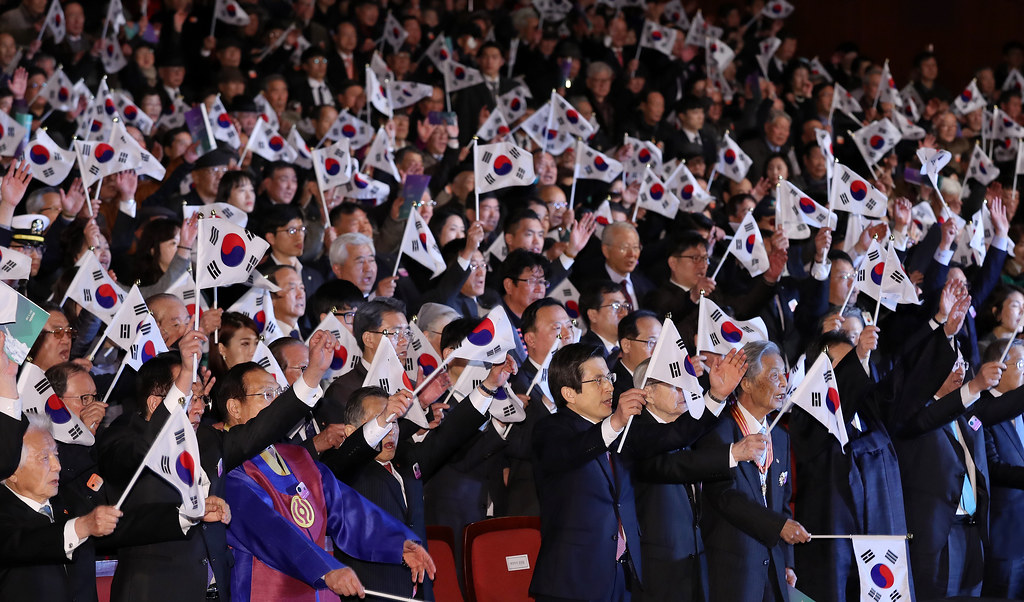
x=620, y=541
x=624, y=285
x=967, y=500
x=47, y=511
x=618, y=56
x=348, y=68
x=764, y=456
x=1018, y=423
x=295, y=334
x=391, y=471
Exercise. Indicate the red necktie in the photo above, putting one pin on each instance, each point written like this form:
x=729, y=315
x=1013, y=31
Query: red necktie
x=618, y=56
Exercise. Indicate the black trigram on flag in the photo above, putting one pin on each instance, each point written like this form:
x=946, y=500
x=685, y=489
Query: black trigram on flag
x=488, y=155
x=891, y=557
x=188, y=295
x=386, y=385
x=179, y=436
x=874, y=255
x=140, y=309
x=97, y=275
x=408, y=365
x=508, y=410
x=874, y=595
x=514, y=151
x=126, y=331
x=871, y=204
x=214, y=235
x=253, y=260
x=680, y=344
x=49, y=172
x=828, y=376
x=867, y=556
x=75, y=432
x=490, y=179
x=846, y=177
x=415, y=246
x=816, y=399
x=673, y=368
x=146, y=328
x=264, y=363
x=896, y=276
x=416, y=344
x=715, y=340
x=213, y=269
x=87, y=295
x=716, y=315
x=165, y=464
x=41, y=386
x=195, y=501
x=520, y=173
x=249, y=235
x=259, y=301
x=94, y=171
x=749, y=227
x=895, y=596
x=860, y=276
x=122, y=157
x=134, y=352
x=844, y=198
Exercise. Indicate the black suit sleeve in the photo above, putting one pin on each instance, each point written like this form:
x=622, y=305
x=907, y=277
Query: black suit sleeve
x=686, y=466
x=457, y=427
x=354, y=453
x=148, y=523
x=1002, y=473
x=120, y=449
x=934, y=415
x=25, y=545
x=993, y=410
x=12, y=431
x=269, y=426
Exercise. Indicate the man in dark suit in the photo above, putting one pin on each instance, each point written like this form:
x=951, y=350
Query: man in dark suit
x=748, y=531
x=310, y=87
x=394, y=480
x=638, y=333
x=620, y=244
x=602, y=306
x=181, y=570
x=667, y=498
x=345, y=64
x=587, y=508
x=470, y=101
x=692, y=138
x=775, y=141
x=284, y=228
x=12, y=428
x=1004, y=443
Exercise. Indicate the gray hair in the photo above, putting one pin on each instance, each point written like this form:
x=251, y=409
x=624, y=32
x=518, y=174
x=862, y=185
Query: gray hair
x=34, y=203
x=609, y=231
x=36, y=422
x=598, y=68
x=775, y=115
x=640, y=372
x=339, y=248
x=756, y=351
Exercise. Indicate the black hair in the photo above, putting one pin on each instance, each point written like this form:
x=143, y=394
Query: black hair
x=566, y=369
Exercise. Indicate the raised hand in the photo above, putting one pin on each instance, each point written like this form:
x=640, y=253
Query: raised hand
x=321, y=352
x=750, y=448
x=14, y=183
x=727, y=372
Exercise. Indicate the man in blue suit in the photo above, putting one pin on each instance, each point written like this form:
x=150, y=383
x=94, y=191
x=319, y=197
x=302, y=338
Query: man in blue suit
x=587, y=508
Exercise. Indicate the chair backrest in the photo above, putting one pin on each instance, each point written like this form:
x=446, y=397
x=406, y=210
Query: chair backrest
x=499, y=557
x=441, y=545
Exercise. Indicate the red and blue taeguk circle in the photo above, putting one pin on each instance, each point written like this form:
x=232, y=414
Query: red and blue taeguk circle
x=106, y=296
x=427, y=363
x=104, y=152
x=483, y=334
x=881, y=576
x=332, y=166
x=185, y=466
x=876, y=273
x=502, y=165
x=340, y=357
x=232, y=250
x=859, y=190
x=807, y=205
x=731, y=333
x=832, y=400
x=56, y=410
x=276, y=143
x=39, y=154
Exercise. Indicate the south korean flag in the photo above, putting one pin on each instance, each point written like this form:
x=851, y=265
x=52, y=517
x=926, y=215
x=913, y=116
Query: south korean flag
x=38, y=397
x=501, y=165
x=719, y=333
x=655, y=196
x=222, y=126
x=592, y=164
x=853, y=194
x=12, y=134
x=226, y=253
x=882, y=566
x=50, y=163
x=733, y=163
x=128, y=320
x=494, y=128
x=513, y=103
x=748, y=247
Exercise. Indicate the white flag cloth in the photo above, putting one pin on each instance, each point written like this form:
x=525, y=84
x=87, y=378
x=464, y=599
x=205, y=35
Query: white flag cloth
x=543, y=129
x=266, y=112
x=266, y=142
x=268, y=362
x=501, y=165
x=221, y=124
x=498, y=248
x=421, y=354
x=719, y=333
x=110, y=54
x=495, y=126
x=882, y=563
x=174, y=456
x=230, y=12
x=817, y=69
x=258, y=304
x=458, y=76
x=676, y=13
x=50, y=163
x=133, y=115
x=131, y=155
x=658, y=38
x=700, y=31
x=766, y=51
x=692, y=197
x=913, y=104
x=733, y=163
x=513, y=104
x=394, y=33
x=876, y=139
x=718, y=53
x=795, y=212
x=54, y=22
x=94, y=289
x=363, y=187
x=128, y=320
x=184, y=288
x=12, y=134
x=147, y=344
x=655, y=196
x=353, y=130
x=490, y=340
x=968, y=101
x=347, y=354
x=824, y=139
x=303, y=156
x=932, y=162
x=418, y=243
x=603, y=217
x=981, y=167
x=376, y=95
x=387, y=372
x=569, y=120
x=1014, y=81
x=438, y=52
x=566, y=293
x=592, y=164
x=380, y=155
x=38, y=397
x=333, y=165
x=748, y=247
x=842, y=100
x=541, y=378
x=777, y=9
x=853, y=194
x=225, y=253
x=670, y=364
x=8, y=296
x=380, y=67
x=881, y=275
x=13, y=266
x=215, y=210
x=173, y=115
x=970, y=242
x=505, y=406
x=818, y=396
x=58, y=90
x=908, y=131
x=887, y=91
x=405, y=94
x=115, y=15
x=645, y=153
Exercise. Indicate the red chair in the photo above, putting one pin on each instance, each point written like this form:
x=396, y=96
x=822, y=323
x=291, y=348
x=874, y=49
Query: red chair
x=500, y=555
x=441, y=545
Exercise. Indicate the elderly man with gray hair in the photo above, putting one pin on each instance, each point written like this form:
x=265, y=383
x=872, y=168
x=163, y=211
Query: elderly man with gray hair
x=748, y=529
x=354, y=258
x=620, y=244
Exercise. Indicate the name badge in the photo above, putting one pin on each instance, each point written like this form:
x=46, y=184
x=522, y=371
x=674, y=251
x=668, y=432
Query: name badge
x=301, y=490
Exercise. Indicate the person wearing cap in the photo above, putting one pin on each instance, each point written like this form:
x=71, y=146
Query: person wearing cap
x=244, y=111
x=29, y=237
x=171, y=70
x=310, y=87
x=206, y=174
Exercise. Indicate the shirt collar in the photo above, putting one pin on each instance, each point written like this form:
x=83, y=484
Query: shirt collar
x=753, y=426
x=656, y=417
x=615, y=276
x=313, y=83
x=685, y=288
x=34, y=505
x=608, y=345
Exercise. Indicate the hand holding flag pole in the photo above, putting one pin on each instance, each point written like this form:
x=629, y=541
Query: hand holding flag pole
x=1009, y=343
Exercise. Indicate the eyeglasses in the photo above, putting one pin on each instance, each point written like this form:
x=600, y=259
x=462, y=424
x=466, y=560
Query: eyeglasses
x=696, y=258
x=59, y=333
x=623, y=249
x=600, y=380
x=557, y=205
x=318, y=61
x=846, y=275
x=618, y=306
x=88, y=398
x=221, y=169
x=396, y=333
x=293, y=230
x=301, y=369
x=473, y=265
x=967, y=365
x=650, y=343
x=347, y=316
x=430, y=203
x=30, y=249
x=268, y=394
x=1020, y=364
x=533, y=282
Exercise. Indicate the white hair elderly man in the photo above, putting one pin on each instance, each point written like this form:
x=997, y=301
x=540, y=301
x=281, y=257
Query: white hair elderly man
x=353, y=258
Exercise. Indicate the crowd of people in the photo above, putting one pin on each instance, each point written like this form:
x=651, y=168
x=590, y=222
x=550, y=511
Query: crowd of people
x=316, y=477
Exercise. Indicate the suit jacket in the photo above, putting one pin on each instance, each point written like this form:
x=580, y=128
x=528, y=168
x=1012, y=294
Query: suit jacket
x=1006, y=467
x=591, y=338
x=586, y=493
x=672, y=547
x=416, y=463
x=331, y=409
x=742, y=534
x=12, y=431
x=521, y=499
x=469, y=101
x=180, y=569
